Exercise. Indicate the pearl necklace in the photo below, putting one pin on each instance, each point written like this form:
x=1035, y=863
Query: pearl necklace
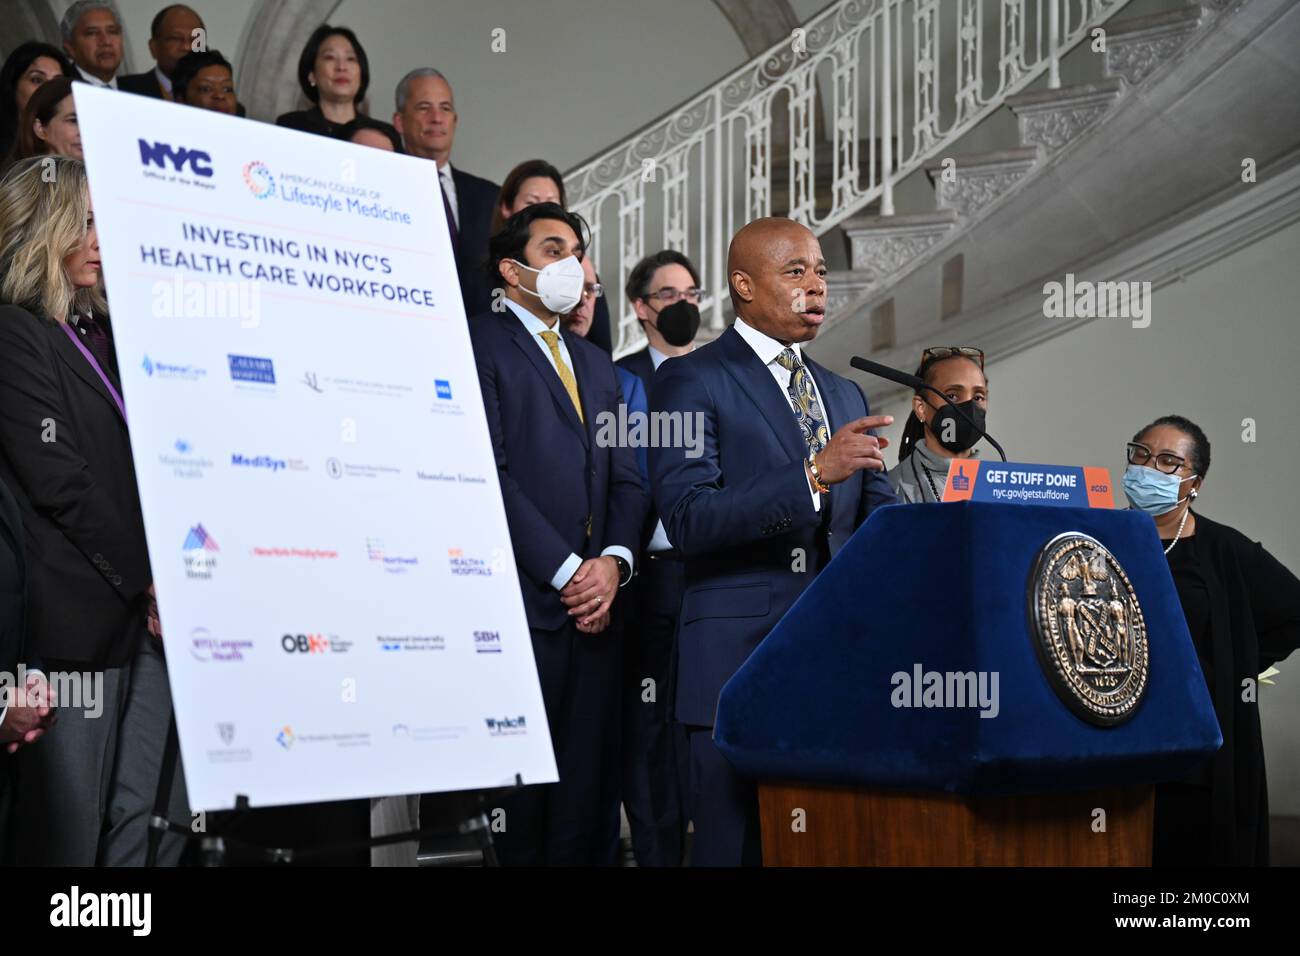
x=1178, y=534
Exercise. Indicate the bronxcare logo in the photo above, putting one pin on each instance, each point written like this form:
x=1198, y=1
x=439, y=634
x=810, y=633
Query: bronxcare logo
x=259, y=179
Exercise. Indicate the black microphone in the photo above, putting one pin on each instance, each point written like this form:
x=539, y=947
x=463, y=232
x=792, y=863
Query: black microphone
x=916, y=385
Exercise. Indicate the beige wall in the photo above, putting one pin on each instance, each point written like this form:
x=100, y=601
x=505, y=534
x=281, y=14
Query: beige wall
x=1222, y=347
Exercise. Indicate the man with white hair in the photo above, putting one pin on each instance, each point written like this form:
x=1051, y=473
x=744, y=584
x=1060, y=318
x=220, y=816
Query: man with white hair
x=426, y=118
x=92, y=38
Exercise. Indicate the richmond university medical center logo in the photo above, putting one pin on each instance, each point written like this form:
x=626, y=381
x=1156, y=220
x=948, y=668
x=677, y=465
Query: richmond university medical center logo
x=259, y=180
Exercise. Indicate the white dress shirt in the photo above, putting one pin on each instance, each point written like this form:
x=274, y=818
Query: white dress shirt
x=96, y=81
x=767, y=349
x=164, y=80
x=449, y=187
x=536, y=327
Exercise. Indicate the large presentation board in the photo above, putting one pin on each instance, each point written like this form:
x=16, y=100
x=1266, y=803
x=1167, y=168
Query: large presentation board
x=337, y=590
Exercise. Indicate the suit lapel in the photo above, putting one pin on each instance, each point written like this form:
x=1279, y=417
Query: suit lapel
x=534, y=355
x=73, y=358
x=757, y=382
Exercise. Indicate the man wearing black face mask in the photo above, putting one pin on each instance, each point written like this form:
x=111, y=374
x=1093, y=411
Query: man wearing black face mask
x=664, y=290
x=934, y=434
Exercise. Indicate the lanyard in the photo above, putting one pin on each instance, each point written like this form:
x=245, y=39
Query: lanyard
x=94, y=363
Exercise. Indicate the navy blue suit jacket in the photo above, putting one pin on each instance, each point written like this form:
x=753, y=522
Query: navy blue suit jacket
x=741, y=513
x=554, y=474
x=476, y=198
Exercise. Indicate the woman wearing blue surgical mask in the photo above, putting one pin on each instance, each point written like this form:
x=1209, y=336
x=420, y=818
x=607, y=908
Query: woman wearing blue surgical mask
x=1243, y=612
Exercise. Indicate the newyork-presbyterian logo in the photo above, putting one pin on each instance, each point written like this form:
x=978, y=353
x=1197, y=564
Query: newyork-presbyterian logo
x=259, y=179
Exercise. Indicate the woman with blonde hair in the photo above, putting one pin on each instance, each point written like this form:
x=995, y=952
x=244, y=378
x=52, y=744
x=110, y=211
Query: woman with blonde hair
x=84, y=795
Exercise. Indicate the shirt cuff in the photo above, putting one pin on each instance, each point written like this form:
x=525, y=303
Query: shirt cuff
x=618, y=551
x=817, y=495
x=567, y=570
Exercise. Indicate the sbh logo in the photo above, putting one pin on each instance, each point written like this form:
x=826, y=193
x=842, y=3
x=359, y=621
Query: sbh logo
x=160, y=154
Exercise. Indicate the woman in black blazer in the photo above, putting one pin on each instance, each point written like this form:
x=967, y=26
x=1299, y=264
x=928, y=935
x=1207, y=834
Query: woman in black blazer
x=1243, y=613
x=334, y=74
x=66, y=456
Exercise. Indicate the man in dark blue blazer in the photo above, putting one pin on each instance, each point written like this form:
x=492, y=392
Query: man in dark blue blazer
x=574, y=502
x=787, y=471
x=426, y=118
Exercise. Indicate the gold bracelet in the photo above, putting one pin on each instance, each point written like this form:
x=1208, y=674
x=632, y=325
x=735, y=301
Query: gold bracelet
x=820, y=485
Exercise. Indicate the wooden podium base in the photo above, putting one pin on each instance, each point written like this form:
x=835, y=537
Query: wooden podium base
x=853, y=827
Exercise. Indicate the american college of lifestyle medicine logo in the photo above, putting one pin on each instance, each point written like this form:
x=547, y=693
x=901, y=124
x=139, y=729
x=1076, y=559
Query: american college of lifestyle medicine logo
x=259, y=179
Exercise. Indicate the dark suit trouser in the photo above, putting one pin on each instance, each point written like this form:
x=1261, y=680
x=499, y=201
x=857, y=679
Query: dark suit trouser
x=655, y=753
x=723, y=807
x=564, y=824
x=84, y=793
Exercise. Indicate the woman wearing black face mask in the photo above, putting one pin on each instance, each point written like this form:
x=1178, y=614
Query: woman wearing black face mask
x=934, y=434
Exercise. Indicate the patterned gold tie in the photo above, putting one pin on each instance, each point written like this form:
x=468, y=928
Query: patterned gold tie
x=808, y=413
x=552, y=340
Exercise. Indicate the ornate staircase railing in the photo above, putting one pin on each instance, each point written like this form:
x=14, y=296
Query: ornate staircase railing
x=798, y=130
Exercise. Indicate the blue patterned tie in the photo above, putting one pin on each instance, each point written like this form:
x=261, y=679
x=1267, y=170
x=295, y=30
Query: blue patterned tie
x=808, y=411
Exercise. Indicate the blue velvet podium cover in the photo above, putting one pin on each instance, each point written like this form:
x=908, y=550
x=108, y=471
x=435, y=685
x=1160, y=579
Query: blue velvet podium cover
x=942, y=587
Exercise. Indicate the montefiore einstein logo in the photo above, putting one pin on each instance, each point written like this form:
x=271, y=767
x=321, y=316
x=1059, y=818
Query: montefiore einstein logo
x=259, y=179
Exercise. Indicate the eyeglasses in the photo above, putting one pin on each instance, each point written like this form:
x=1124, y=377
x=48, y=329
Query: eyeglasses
x=669, y=296
x=593, y=290
x=1169, y=463
x=952, y=351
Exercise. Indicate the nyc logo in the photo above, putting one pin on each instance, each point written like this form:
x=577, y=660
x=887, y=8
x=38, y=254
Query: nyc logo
x=179, y=157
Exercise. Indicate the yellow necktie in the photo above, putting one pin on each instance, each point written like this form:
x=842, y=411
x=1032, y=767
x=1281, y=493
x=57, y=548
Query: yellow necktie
x=552, y=340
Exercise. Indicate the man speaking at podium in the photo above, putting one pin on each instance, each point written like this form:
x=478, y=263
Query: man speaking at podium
x=788, y=469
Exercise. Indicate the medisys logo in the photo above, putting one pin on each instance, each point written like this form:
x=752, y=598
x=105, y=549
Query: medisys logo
x=199, y=550
x=392, y=563
x=267, y=463
x=506, y=726
x=487, y=642
x=184, y=463
x=185, y=373
x=206, y=648
x=252, y=368
x=259, y=180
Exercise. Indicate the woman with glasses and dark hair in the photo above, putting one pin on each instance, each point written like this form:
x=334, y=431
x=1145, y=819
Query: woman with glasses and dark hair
x=934, y=434
x=334, y=73
x=1243, y=612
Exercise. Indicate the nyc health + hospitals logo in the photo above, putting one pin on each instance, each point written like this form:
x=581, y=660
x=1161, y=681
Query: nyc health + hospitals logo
x=259, y=179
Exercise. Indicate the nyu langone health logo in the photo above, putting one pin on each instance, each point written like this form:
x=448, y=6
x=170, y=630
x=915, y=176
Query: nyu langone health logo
x=198, y=551
x=251, y=368
x=204, y=647
x=259, y=180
